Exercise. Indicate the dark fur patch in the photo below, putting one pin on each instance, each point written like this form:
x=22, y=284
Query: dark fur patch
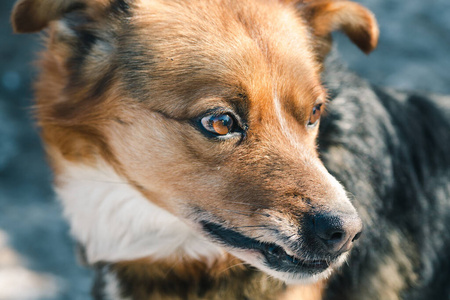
x=104, y=83
x=120, y=7
x=86, y=37
x=156, y=281
x=99, y=285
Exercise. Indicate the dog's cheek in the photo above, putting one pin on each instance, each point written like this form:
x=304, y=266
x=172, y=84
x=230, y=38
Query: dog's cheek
x=165, y=156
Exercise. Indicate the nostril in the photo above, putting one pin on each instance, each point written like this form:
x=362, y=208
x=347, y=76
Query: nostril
x=336, y=231
x=337, y=236
x=357, y=236
x=328, y=228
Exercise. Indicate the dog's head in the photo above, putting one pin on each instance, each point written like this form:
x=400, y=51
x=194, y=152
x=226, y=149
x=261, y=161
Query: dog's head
x=211, y=109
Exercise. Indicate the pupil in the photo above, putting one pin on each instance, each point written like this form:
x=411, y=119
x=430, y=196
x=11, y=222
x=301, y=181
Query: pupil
x=221, y=124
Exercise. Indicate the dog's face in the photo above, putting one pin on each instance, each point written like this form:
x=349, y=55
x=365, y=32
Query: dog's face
x=211, y=109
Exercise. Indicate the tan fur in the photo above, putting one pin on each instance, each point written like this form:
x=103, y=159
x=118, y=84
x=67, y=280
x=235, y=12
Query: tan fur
x=256, y=52
x=305, y=292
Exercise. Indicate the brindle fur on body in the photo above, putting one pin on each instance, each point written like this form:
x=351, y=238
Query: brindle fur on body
x=390, y=150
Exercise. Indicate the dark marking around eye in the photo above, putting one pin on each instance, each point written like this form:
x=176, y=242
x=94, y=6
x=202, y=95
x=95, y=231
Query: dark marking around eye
x=120, y=6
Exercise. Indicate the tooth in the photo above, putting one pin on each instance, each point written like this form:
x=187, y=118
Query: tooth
x=290, y=253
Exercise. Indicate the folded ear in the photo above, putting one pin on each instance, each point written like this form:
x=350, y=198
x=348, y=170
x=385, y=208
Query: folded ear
x=34, y=15
x=356, y=21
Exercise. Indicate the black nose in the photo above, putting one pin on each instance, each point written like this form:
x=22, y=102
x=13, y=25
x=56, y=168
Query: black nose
x=337, y=232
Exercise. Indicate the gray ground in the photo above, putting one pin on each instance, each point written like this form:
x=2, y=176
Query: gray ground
x=36, y=252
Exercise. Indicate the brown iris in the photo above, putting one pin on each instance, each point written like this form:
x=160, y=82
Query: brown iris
x=218, y=124
x=315, y=115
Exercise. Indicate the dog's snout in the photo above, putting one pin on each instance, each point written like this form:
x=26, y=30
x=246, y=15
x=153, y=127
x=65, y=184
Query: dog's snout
x=337, y=232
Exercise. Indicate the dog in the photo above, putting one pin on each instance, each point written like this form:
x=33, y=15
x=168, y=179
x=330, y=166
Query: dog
x=183, y=139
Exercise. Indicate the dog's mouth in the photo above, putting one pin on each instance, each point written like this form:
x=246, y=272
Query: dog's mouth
x=274, y=256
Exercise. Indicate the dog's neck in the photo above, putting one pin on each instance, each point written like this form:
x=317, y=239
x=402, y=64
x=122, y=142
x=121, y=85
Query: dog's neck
x=180, y=279
x=227, y=278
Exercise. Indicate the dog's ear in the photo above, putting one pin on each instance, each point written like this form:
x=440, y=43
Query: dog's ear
x=326, y=16
x=34, y=15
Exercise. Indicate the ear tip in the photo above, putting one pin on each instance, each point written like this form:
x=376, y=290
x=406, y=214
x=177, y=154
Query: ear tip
x=20, y=26
x=371, y=44
x=366, y=37
x=374, y=35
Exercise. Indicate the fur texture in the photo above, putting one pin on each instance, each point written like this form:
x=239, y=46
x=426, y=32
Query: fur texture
x=115, y=223
x=390, y=150
x=166, y=208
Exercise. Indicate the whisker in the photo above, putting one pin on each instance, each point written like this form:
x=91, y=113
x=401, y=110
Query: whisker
x=247, y=212
x=238, y=213
x=251, y=226
x=291, y=236
x=251, y=230
x=249, y=204
x=258, y=237
x=232, y=266
x=243, y=213
x=177, y=262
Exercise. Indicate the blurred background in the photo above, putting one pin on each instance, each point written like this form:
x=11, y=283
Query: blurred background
x=37, y=259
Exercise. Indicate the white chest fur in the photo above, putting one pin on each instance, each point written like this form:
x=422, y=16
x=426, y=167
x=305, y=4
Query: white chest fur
x=114, y=222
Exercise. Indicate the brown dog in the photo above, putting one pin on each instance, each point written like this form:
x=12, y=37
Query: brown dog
x=182, y=136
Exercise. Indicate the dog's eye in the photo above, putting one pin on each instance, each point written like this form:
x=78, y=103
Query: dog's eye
x=218, y=124
x=315, y=115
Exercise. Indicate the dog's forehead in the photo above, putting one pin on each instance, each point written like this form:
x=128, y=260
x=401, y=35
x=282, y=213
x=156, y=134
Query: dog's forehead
x=210, y=48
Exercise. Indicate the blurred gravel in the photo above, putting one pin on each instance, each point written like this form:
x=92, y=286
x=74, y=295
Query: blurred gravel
x=413, y=53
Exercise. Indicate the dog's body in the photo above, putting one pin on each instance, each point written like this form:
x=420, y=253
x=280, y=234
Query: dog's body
x=183, y=140
x=390, y=150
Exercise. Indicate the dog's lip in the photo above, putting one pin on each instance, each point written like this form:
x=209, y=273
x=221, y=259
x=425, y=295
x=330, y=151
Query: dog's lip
x=275, y=256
